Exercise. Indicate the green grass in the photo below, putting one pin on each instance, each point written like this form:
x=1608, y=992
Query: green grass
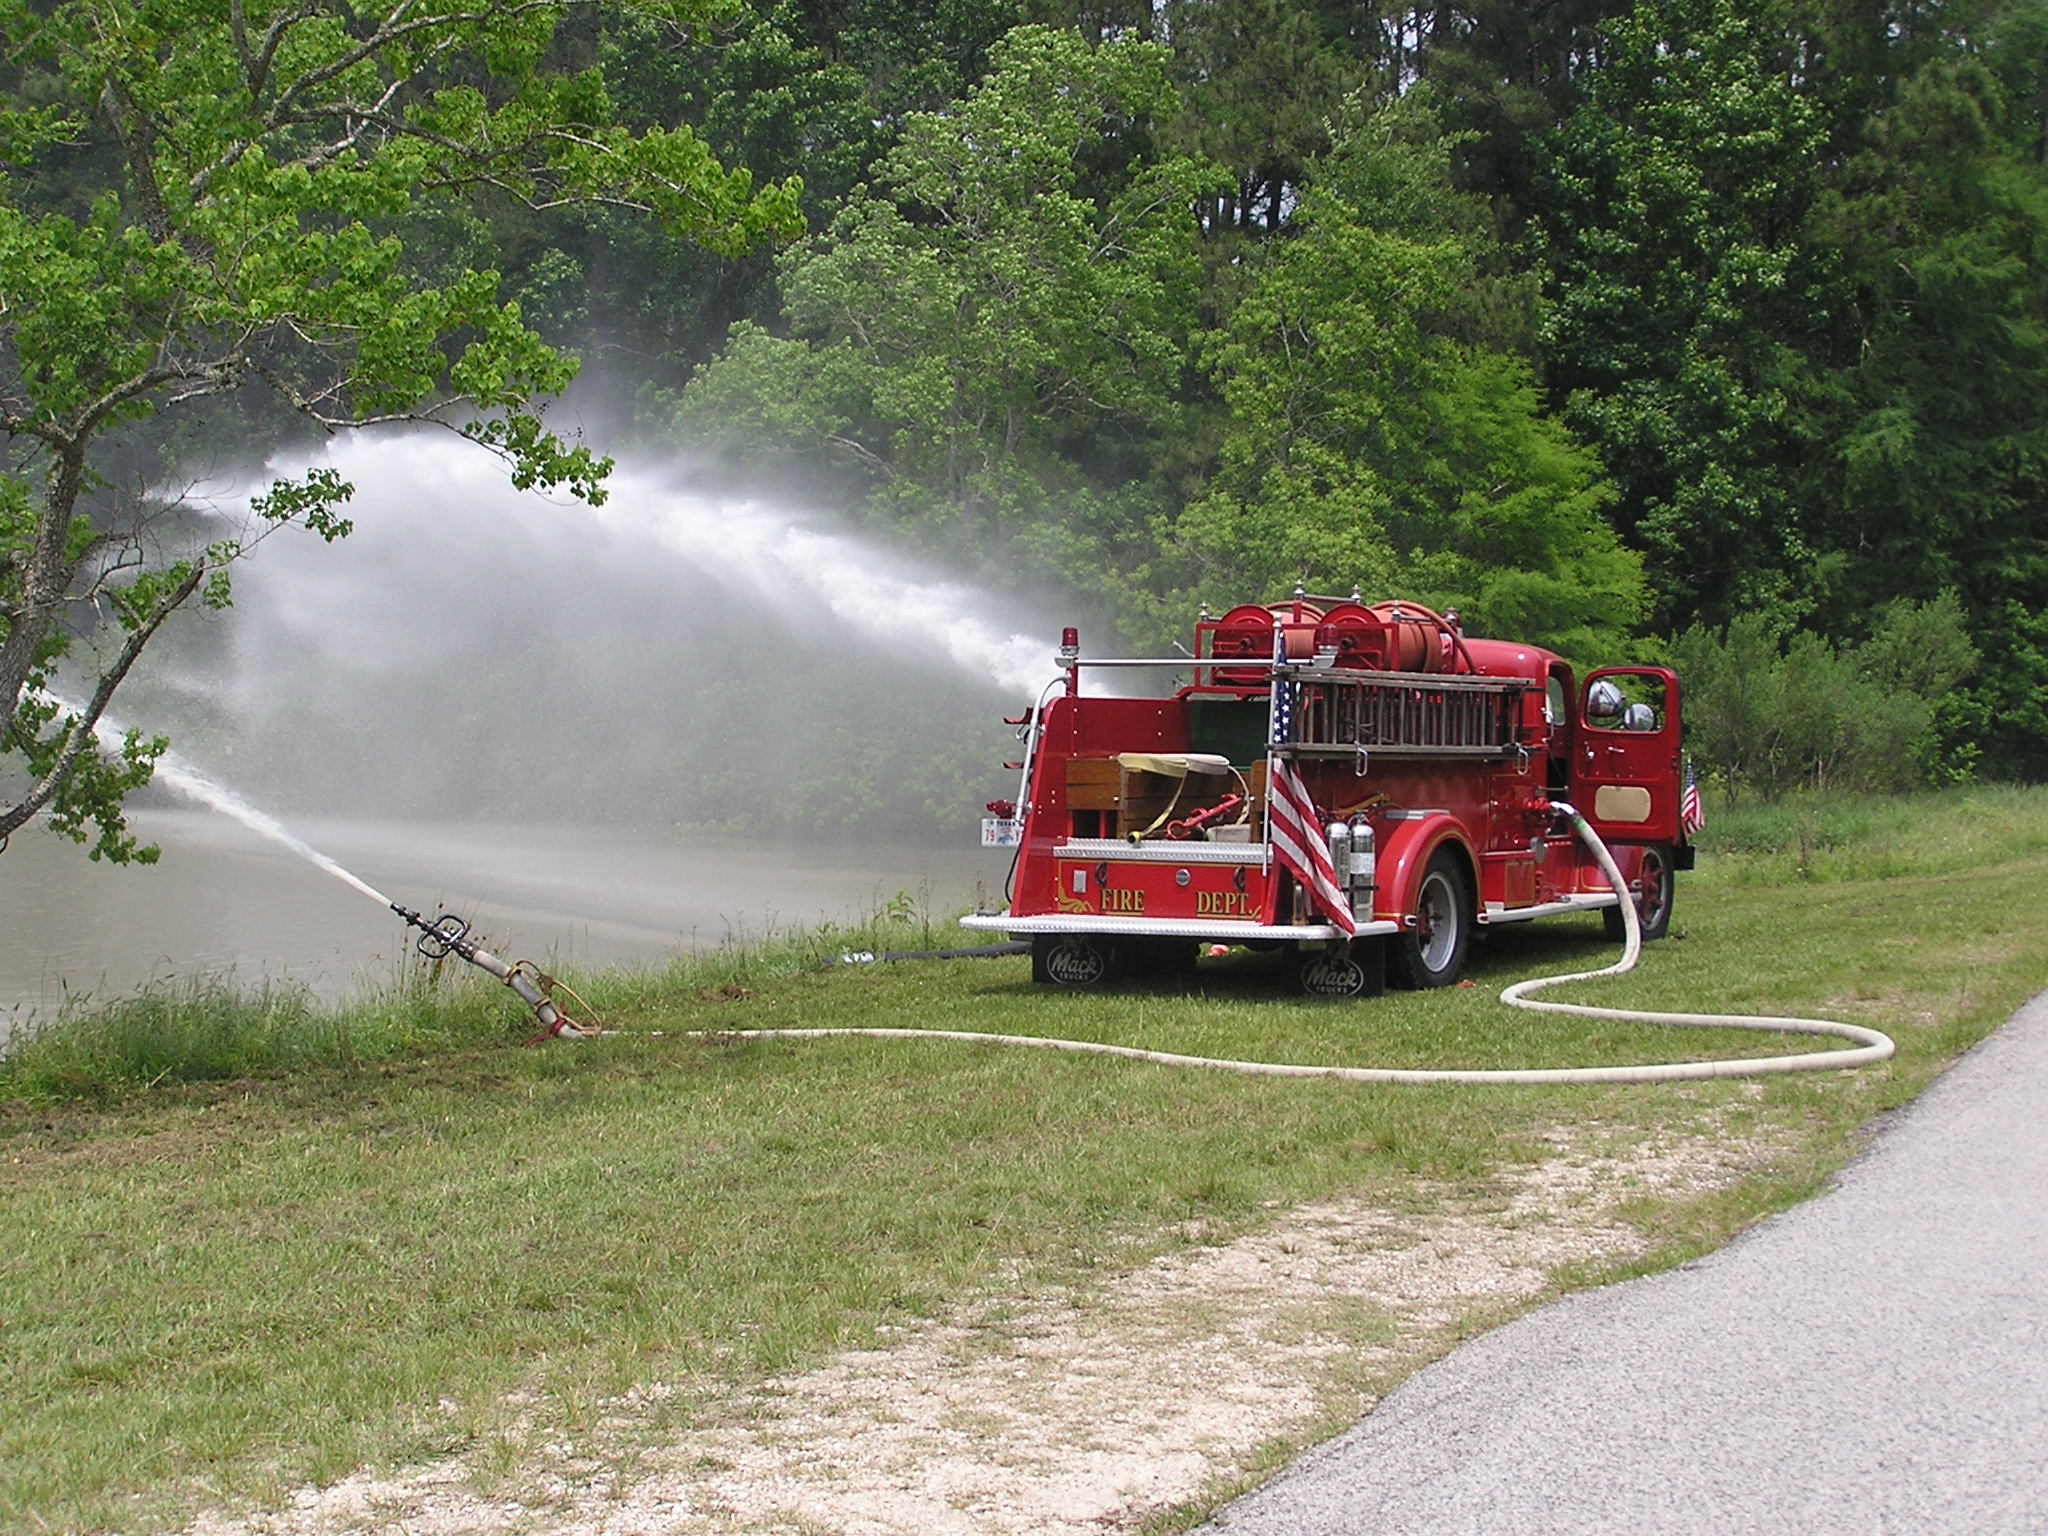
x=210, y=1030
x=1826, y=838
x=216, y=1289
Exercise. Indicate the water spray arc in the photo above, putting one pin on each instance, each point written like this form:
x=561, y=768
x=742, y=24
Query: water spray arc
x=705, y=644
x=440, y=936
x=538, y=601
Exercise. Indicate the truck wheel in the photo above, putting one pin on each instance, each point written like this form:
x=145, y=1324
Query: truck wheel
x=1432, y=952
x=1653, y=899
x=1072, y=960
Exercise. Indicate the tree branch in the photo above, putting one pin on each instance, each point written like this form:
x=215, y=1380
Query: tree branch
x=46, y=788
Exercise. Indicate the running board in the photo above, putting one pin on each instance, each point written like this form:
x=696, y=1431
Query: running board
x=1496, y=913
x=1166, y=927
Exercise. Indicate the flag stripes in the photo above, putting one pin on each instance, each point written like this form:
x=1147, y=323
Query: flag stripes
x=1292, y=826
x=1297, y=836
x=1690, y=815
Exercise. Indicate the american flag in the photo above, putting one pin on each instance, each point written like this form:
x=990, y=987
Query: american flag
x=1690, y=817
x=1293, y=826
x=1282, y=730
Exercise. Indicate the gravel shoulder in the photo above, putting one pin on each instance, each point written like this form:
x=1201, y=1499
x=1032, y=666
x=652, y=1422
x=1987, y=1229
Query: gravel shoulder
x=1119, y=1408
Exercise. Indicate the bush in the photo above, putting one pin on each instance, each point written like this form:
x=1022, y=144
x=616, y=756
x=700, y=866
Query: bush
x=1768, y=715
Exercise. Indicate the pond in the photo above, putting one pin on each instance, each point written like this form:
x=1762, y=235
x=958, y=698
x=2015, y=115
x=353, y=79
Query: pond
x=224, y=901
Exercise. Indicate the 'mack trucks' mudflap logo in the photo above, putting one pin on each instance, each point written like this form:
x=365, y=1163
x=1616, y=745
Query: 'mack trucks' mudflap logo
x=1075, y=963
x=1333, y=973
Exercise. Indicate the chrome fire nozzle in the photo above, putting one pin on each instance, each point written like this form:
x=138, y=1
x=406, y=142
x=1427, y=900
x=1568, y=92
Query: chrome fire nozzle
x=448, y=934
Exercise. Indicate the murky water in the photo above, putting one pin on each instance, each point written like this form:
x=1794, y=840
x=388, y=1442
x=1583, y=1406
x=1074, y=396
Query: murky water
x=224, y=900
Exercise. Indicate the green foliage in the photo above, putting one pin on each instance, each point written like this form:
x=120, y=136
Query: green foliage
x=1263, y=82
x=975, y=336
x=1791, y=363
x=1670, y=214
x=1935, y=473
x=101, y=776
x=1800, y=300
x=1770, y=715
x=1690, y=310
x=1379, y=432
x=198, y=200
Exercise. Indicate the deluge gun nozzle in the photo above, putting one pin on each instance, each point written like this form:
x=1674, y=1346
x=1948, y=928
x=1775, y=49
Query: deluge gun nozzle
x=448, y=934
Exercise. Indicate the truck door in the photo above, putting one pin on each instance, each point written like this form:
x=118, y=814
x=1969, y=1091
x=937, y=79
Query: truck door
x=1625, y=777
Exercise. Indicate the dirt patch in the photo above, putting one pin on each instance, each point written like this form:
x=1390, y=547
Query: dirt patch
x=1067, y=1414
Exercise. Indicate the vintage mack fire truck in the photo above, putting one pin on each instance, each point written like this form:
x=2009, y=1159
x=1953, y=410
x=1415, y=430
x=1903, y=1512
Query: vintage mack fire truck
x=1362, y=785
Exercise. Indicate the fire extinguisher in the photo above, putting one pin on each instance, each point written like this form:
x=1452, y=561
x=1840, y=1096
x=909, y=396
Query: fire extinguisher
x=1360, y=872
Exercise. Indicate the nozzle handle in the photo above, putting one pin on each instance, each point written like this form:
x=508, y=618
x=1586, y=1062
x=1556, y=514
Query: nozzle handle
x=439, y=936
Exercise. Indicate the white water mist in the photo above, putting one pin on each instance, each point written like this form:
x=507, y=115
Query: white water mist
x=448, y=505
x=195, y=784
x=669, y=659
x=880, y=599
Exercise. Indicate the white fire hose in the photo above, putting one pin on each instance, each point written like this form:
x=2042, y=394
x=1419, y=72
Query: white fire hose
x=1871, y=1045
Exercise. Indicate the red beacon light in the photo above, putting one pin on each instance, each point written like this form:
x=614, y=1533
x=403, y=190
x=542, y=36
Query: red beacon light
x=1070, y=646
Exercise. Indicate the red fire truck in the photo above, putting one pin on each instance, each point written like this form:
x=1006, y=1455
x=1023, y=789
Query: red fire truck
x=1360, y=784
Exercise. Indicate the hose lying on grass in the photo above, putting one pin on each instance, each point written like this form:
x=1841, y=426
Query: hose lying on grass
x=1871, y=1045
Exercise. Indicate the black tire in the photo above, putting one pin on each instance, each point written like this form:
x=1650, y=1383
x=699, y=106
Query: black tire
x=1655, y=888
x=1432, y=952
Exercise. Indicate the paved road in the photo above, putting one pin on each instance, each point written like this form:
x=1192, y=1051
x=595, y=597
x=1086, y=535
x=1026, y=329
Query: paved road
x=1873, y=1361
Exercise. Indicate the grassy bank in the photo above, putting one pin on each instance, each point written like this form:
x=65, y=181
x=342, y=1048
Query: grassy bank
x=215, y=1030
x=389, y=1249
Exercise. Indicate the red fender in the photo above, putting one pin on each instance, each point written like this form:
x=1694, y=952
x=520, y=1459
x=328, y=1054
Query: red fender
x=1405, y=848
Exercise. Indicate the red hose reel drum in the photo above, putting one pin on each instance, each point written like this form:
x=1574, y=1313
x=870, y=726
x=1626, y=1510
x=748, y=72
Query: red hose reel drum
x=1386, y=637
x=1423, y=640
x=1361, y=639
x=1246, y=632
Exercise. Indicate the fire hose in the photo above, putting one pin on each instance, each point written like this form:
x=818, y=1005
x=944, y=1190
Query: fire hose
x=1870, y=1045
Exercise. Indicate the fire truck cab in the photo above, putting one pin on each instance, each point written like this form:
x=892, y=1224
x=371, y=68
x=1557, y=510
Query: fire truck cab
x=1148, y=826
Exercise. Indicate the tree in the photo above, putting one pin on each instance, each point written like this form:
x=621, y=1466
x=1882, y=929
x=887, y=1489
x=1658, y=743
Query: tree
x=1934, y=472
x=1507, y=73
x=1382, y=433
x=1672, y=220
x=1262, y=82
x=1770, y=713
x=819, y=88
x=990, y=344
x=201, y=206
